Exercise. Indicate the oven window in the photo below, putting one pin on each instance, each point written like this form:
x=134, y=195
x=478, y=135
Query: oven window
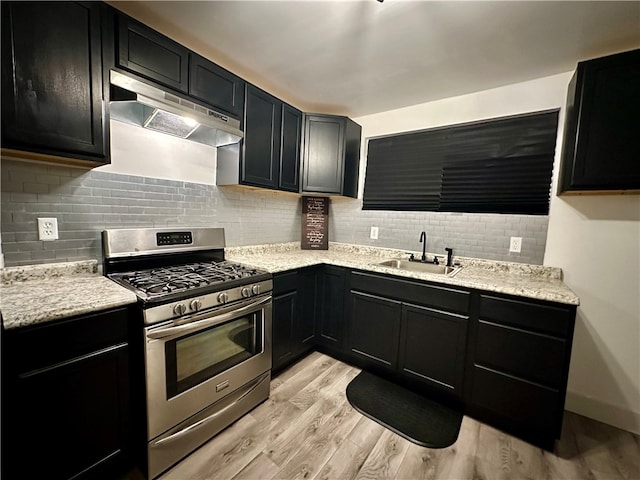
x=195, y=358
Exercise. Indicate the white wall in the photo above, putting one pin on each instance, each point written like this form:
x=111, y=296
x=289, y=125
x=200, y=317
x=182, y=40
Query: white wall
x=145, y=153
x=594, y=239
x=596, y=242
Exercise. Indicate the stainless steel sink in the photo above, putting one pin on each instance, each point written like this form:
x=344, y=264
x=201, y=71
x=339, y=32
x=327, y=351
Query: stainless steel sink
x=421, y=267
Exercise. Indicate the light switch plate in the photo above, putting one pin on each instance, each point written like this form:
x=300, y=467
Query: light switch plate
x=48, y=228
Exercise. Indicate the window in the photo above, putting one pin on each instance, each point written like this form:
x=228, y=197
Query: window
x=501, y=165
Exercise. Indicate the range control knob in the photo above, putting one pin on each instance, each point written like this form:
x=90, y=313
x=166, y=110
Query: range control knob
x=223, y=298
x=179, y=309
x=245, y=292
x=195, y=305
x=255, y=289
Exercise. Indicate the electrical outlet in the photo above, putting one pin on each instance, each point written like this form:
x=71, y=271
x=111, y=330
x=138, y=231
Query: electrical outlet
x=374, y=233
x=48, y=228
x=515, y=245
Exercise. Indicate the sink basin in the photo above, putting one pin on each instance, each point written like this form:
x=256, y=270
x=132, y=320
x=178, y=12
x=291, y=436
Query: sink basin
x=420, y=267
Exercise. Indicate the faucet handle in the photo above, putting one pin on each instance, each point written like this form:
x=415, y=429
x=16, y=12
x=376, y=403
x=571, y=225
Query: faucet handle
x=412, y=258
x=436, y=260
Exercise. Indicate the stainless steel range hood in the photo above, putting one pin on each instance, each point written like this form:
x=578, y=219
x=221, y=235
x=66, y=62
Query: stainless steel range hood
x=141, y=104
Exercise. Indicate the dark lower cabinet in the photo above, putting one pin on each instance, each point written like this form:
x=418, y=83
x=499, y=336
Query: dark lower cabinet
x=432, y=347
x=66, y=401
x=519, y=364
x=52, y=86
x=374, y=327
x=293, y=317
x=330, y=321
x=504, y=359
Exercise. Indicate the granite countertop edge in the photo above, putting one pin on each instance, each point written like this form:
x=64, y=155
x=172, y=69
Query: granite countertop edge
x=36, y=294
x=530, y=281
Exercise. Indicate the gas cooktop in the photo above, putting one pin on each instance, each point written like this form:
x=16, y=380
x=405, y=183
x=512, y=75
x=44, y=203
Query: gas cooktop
x=158, y=282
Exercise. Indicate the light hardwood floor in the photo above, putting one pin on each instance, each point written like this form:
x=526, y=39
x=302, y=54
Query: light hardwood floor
x=308, y=430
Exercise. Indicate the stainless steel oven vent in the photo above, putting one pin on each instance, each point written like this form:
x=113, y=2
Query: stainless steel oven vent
x=138, y=103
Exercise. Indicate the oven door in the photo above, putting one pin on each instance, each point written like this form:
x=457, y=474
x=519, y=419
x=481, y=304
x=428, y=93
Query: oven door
x=197, y=360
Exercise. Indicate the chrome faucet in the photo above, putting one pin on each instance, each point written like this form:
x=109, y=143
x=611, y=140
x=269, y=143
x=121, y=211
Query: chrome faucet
x=423, y=240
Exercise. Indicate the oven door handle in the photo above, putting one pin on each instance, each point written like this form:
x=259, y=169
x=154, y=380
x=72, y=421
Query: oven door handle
x=209, y=321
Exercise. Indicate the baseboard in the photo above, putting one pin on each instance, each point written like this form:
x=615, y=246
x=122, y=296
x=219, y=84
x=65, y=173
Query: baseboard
x=603, y=412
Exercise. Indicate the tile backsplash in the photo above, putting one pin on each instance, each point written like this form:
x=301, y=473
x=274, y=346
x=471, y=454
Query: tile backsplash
x=85, y=202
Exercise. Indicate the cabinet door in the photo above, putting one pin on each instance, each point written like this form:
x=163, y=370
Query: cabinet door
x=601, y=145
x=149, y=53
x=374, y=328
x=306, y=321
x=323, y=161
x=331, y=318
x=216, y=86
x=52, y=86
x=74, y=415
x=285, y=308
x=432, y=347
x=261, y=143
x=290, y=149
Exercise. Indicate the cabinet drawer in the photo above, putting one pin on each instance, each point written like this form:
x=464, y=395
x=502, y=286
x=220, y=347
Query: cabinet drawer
x=285, y=282
x=525, y=404
x=449, y=299
x=52, y=343
x=554, y=320
x=532, y=356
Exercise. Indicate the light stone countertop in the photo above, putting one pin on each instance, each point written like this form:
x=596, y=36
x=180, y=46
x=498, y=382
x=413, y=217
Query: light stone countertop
x=36, y=294
x=531, y=281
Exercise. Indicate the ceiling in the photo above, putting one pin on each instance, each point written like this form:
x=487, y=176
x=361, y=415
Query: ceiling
x=361, y=57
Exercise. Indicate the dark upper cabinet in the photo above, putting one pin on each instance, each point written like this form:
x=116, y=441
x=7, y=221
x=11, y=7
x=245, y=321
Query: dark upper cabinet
x=289, y=178
x=149, y=53
x=261, y=143
x=331, y=156
x=270, y=155
x=601, y=145
x=52, y=87
x=215, y=85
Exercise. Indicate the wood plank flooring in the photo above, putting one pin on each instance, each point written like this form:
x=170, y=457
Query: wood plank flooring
x=308, y=430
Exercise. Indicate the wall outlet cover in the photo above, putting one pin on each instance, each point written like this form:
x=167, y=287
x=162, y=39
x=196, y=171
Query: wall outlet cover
x=374, y=233
x=515, y=245
x=48, y=228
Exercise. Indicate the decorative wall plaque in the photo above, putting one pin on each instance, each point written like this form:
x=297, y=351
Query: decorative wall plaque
x=315, y=223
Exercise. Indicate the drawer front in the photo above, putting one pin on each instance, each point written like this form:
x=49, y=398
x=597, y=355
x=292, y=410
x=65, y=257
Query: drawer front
x=50, y=343
x=554, y=320
x=525, y=404
x=449, y=299
x=532, y=356
x=285, y=282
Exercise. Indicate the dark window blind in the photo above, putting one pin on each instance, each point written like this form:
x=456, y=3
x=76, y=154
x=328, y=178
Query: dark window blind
x=496, y=166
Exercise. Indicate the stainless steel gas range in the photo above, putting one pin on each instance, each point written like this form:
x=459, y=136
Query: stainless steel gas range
x=207, y=333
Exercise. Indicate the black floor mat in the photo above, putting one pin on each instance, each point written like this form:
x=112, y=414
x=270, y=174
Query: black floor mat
x=418, y=419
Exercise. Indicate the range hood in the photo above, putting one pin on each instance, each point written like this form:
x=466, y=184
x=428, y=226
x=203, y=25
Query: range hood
x=141, y=104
